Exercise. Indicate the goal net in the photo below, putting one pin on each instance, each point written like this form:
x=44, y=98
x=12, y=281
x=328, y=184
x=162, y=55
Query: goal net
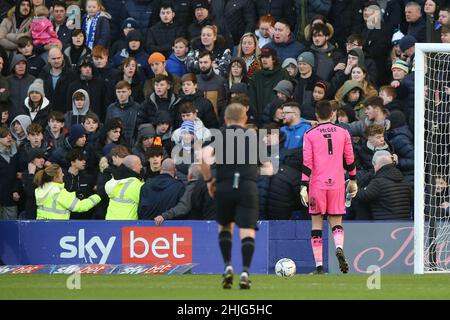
x=432, y=158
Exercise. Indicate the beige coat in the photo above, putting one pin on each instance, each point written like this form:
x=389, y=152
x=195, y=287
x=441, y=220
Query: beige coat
x=8, y=34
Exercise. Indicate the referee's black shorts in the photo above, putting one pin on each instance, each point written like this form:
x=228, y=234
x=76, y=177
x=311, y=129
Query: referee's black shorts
x=237, y=205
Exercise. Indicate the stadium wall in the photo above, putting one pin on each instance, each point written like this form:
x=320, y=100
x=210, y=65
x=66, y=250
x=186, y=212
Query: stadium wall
x=386, y=244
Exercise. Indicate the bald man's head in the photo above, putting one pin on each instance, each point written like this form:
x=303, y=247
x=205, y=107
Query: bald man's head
x=168, y=166
x=55, y=58
x=133, y=162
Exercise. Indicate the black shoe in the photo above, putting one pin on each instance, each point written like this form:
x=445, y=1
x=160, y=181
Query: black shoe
x=343, y=265
x=319, y=270
x=227, y=281
x=244, y=282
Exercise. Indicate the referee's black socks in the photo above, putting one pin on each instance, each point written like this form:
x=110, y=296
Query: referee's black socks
x=248, y=247
x=225, y=246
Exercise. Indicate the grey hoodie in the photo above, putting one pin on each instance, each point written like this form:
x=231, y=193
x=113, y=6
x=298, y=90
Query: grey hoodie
x=86, y=106
x=15, y=60
x=24, y=121
x=361, y=59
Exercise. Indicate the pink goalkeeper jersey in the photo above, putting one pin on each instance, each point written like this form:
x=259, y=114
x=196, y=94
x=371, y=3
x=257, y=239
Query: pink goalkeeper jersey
x=325, y=148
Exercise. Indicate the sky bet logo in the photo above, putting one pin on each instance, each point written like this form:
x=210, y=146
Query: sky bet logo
x=148, y=245
x=140, y=245
x=86, y=249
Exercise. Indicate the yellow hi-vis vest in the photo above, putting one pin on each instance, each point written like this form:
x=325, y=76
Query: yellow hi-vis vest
x=123, y=198
x=54, y=202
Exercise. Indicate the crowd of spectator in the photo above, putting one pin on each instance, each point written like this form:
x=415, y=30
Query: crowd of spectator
x=118, y=89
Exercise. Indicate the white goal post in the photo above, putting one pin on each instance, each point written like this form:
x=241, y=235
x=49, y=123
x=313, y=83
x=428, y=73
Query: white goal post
x=431, y=158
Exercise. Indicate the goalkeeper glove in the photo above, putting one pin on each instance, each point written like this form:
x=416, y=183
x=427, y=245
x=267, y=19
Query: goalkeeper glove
x=304, y=196
x=352, y=188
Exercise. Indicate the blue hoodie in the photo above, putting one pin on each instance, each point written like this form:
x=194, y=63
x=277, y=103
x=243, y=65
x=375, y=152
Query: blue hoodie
x=176, y=66
x=294, y=134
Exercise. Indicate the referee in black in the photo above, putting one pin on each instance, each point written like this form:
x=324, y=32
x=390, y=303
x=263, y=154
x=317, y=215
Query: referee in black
x=235, y=189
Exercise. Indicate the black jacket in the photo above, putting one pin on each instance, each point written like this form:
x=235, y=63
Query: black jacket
x=284, y=188
x=97, y=90
x=238, y=15
x=418, y=30
x=277, y=9
x=159, y=194
x=24, y=151
x=202, y=206
x=83, y=184
x=195, y=28
x=110, y=76
x=35, y=64
x=402, y=140
x=9, y=182
x=128, y=114
x=377, y=45
x=103, y=177
x=148, y=110
x=59, y=154
x=345, y=18
x=28, y=188
x=183, y=9
x=388, y=195
x=60, y=98
x=161, y=36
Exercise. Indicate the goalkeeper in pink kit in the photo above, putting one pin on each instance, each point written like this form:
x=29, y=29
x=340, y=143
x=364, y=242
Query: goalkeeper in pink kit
x=327, y=151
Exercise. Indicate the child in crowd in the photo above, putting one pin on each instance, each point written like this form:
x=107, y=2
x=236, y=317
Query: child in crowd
x=42, y=31
x=91, y=124
x=34, y=62
x=176, y=62
x=188, y=112
x=319, y=94
x=390, y=101
x=96, y=25
x=164, y=132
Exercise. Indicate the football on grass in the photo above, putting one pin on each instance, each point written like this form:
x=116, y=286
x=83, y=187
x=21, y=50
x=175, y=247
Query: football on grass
x=285, y=268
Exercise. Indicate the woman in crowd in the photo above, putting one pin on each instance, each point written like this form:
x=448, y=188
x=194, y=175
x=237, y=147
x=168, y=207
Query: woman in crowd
x=53, y=201
x=209, y=41
x=237, y=72
x=249, y=50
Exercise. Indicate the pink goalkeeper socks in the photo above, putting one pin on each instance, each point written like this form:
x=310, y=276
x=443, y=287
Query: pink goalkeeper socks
x=316, y=244
x=338, y=235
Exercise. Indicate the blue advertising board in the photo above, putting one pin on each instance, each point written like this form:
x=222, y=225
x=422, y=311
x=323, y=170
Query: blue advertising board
x=123, y=242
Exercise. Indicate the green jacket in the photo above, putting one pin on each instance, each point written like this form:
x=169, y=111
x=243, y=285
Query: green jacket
x=54, y=202
x=261, y=87
x=123, y=198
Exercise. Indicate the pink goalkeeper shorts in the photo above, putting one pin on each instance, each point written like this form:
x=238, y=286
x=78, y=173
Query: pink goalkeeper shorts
x=330, y=202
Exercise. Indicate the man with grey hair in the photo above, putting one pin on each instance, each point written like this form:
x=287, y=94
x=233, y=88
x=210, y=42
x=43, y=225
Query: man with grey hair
x=124, y=189
x=416, y=23
x=195, y=204
x=161, y=192
x=388, y=194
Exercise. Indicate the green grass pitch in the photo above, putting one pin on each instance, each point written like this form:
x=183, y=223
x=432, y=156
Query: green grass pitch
x=207, y=287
